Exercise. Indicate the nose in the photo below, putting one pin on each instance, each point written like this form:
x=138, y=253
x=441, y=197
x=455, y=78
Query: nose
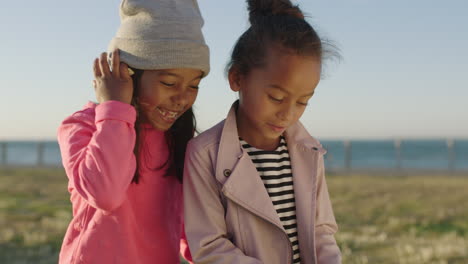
x=180, y=99
x=286, y=113
x=183, y=96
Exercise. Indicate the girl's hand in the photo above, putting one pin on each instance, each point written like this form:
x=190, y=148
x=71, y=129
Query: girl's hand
x=112, y=82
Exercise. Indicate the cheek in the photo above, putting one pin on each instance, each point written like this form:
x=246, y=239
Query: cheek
x=146, y=109
x=299, y=113
x=254, y=108
x=151, y=96
x=254, y=102
x=191, y=98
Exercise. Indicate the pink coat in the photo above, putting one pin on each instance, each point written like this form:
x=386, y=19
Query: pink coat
x=229, y=217
x=115, y=221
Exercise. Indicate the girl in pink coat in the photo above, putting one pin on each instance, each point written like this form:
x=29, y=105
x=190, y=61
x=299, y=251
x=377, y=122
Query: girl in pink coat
x=124, y=157
x=254, y=185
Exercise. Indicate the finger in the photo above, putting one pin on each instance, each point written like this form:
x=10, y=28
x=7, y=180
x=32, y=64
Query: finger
x=116, y=63
x=124, y=71
x=96, y=68
x=104, y=65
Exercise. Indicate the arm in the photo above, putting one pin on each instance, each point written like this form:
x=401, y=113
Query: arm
x=97, y=148
x=204, y=214
x=97, y=153
x=325, y=224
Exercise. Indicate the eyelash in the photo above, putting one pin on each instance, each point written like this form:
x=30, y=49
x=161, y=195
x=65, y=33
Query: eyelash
x=274, y=99
x=280, y=100
x=168, y=84
x=172, y=84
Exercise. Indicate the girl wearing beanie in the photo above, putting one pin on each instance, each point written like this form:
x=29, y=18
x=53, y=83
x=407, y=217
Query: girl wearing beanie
x=254, y=185
x=124, y=157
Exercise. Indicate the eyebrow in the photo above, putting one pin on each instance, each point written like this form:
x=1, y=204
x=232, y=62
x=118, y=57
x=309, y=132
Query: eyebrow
x=286, y=91
x=165, y=73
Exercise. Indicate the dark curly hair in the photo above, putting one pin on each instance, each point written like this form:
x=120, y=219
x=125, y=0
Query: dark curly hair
x=280, y=23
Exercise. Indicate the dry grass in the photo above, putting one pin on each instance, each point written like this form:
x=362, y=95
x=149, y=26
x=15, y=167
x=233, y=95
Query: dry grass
x=34, y=213
x=389, y=219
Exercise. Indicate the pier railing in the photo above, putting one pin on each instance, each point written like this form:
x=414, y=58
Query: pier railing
x=46, y=154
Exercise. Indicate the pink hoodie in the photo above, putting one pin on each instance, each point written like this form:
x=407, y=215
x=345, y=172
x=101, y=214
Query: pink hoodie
x=115, y=221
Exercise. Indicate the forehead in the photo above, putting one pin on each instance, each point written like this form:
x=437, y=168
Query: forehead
x=295, y=74
x=180, y=73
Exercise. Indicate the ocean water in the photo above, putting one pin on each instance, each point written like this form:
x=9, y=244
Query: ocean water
x=405, y=154
x=363, y=154
x=26, y=153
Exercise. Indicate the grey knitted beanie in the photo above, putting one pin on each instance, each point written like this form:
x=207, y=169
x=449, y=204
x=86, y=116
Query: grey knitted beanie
x=161, y=34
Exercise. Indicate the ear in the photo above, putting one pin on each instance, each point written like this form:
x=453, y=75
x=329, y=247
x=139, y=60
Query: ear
x=234, y=78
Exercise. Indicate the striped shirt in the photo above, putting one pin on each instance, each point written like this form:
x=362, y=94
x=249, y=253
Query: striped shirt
x=275, y=171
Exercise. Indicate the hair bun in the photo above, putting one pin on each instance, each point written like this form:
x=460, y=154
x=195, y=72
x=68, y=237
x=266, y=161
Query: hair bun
x=264, y=8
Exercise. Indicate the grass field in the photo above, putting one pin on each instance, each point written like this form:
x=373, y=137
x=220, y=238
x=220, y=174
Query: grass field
x=385, y=219
x=392, y=219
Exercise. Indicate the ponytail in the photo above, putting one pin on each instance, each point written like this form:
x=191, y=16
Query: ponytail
x=276, y=23
x=264, y=8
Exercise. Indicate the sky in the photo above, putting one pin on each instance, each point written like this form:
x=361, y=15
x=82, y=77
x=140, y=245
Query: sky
x=403, y=73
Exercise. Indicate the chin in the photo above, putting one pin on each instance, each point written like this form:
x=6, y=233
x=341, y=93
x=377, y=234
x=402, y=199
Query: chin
x=160, y=127
x=270, y=135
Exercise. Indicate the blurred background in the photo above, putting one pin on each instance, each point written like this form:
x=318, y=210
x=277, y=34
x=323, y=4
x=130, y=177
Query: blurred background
x=392, y=115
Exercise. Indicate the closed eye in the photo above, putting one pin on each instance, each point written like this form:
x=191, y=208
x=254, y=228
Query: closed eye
x=167, y=84
x=275, y=99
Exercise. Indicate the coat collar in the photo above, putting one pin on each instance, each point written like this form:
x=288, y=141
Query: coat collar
x=234, y=168
x=230, y=149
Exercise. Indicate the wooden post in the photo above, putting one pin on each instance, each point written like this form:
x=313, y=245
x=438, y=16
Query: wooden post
x=40, y=154
x=397, y=144
x=348, y=158
x=451, y=154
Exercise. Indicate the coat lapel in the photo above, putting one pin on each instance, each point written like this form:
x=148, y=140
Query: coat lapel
x=238, y=175
x=246, y=188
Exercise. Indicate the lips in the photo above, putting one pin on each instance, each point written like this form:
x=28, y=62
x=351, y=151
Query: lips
x=278, y=129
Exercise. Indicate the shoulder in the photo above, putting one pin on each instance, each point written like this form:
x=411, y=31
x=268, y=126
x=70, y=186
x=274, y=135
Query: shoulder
x=299, y=134
x=206, y=140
